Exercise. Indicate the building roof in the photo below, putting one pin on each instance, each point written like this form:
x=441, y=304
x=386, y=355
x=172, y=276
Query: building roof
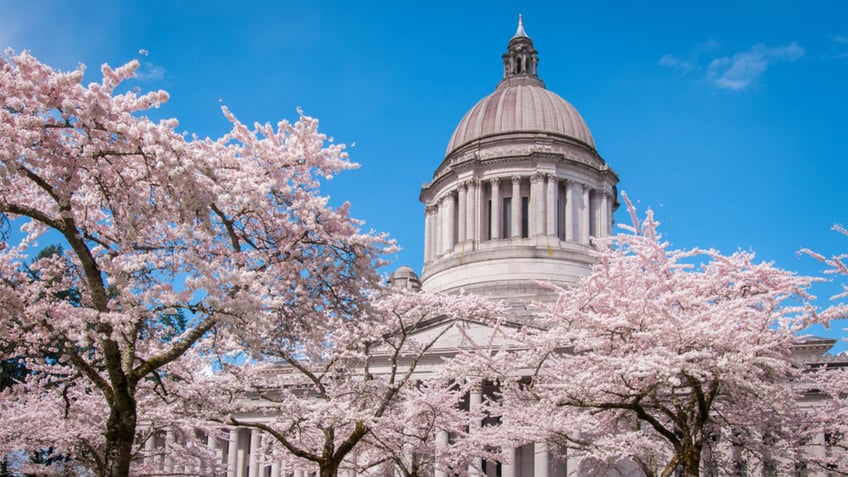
x=520, y=107
x=520, y=103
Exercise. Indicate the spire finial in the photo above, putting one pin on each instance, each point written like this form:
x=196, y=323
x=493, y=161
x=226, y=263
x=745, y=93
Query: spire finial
x=520, y=30
x=520, y=60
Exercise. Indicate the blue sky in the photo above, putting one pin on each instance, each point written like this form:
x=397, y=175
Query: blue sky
x=727, y=118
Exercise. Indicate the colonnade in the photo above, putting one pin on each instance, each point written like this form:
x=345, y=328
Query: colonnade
x=516, y=207
x=239, y=453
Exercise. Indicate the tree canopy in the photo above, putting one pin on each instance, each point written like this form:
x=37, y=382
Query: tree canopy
x=170, y=240
x=666, y=360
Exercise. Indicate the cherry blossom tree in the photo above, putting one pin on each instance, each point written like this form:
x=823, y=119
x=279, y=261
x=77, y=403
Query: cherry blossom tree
x=663, y=360
x=405, y=439
x=356, y=390
x=171, y=240
x=825, y=428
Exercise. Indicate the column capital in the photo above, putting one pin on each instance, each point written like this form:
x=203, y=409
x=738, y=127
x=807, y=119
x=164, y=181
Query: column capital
x=495, y=180
x=537, y=177
x=516, y=179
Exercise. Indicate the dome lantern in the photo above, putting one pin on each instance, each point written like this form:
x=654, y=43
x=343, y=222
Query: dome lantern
x=521, y=60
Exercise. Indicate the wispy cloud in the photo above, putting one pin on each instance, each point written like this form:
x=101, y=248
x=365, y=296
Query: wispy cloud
x=149, y=72
x=737, y=72
x=840, y=44
x=680, y=64
x=743, y=69
x=689, y=62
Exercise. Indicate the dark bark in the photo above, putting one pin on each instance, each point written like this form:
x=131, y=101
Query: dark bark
x=120, y=434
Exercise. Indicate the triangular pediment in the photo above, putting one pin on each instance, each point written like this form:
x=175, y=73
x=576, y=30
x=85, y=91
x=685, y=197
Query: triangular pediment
x=449, y=335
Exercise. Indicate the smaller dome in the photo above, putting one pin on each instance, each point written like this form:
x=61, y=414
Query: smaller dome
x=404, y=277
x=520, y=106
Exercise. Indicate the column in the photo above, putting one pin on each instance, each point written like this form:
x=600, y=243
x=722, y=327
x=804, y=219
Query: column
x=480, y=212
x=606, y=213
x=276, y=469
x=242, y=455
x=540, y=459
x=214, y=450
x=428, y=233
x=461, y=214
x=569, y=211
x=572, y=464
x=435, y=231
x=537, y=205
x=150, y=447
x=168, y=452
x=508, y=463
x=516, y=207
x=585, y=218
x=551, y=206
x=495, y=224
x=450, y=222
x=232, y=453
x=441, y=443
x=471, y=201
x=440, y=239
x=475, y=401
x=601, y=227
x=255, y=441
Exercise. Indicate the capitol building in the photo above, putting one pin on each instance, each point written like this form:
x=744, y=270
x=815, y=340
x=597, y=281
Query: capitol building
x=516, y=200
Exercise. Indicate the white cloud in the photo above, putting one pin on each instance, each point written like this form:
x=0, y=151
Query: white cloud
x=743, y=69
x=736, y=72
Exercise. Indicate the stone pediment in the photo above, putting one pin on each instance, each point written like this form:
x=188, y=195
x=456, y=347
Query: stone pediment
x=453, y=335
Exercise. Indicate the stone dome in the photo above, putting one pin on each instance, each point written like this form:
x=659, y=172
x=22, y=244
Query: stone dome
x=404, y=277
x=520, y=106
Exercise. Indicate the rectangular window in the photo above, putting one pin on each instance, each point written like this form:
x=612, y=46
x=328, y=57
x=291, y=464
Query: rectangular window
x=506, y=224
x=593, y=216
x=561, y=213
x=489, y=220
x=525, y=217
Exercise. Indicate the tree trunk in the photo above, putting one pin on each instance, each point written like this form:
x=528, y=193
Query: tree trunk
x=690, y=462
x=330, y=470
x=120, y=434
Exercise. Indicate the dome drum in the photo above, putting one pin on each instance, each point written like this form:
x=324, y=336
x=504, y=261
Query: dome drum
x=522, y=152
